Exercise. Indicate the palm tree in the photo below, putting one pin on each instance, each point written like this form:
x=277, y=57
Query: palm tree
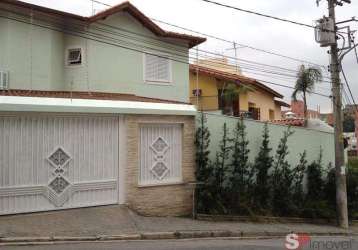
x=306, y=80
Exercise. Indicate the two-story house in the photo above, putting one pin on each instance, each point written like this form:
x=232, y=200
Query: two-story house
x=93, y=111
x=211, y=79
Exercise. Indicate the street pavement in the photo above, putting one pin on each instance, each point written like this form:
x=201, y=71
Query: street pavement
x=321, y=243
x=119, y=220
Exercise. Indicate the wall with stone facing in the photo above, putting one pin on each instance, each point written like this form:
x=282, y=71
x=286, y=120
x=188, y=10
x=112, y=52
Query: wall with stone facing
x=159, y=200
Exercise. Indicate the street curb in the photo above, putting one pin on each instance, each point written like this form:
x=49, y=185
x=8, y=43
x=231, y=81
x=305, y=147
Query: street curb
x=6, y=241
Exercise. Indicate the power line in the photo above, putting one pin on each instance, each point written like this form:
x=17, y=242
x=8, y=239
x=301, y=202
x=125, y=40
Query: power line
x=237, y=60
x=105, y=4
x=349, y=88
x=96, y=27
x=227, y=41
x=242, y=45
x=258, y=14
x=268, y=16
x=182, y=54
x=77, y=33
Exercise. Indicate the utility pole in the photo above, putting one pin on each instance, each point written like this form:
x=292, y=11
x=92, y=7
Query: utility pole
x=341, y=185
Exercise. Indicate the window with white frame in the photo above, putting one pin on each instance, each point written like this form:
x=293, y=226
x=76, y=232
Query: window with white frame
x=160, y=154
x=157, y=69
x=74, y=56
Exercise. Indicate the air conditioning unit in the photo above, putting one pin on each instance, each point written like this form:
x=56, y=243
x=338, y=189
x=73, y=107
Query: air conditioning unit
x=197, y=92
x=4, y=80
x=325, y=32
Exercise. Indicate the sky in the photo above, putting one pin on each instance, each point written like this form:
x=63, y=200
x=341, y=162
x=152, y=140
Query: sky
x=259, y=32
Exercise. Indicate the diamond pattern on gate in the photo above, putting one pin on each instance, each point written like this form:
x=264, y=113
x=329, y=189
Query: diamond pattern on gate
x=59, y=158
x=59, y=184
x=159, y=168
x=160, y=146
x=59, y=188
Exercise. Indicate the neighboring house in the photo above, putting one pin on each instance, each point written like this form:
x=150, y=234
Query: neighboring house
x=314, y=124
x=351, y=140
x=297, y=107
x=93, y=111
x=209, y=81
x=328, y=118
x=350, y=109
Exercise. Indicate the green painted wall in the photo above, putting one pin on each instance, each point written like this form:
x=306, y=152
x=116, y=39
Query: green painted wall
x=302, y=139
x=106, y=68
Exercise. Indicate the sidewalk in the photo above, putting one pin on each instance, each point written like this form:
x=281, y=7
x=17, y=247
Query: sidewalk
x=120, y=221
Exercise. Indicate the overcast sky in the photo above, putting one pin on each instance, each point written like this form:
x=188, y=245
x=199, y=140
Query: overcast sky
x=284, y=38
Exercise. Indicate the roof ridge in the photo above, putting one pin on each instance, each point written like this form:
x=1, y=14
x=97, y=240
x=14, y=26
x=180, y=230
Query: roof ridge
x=124, y=6
x=237, y=77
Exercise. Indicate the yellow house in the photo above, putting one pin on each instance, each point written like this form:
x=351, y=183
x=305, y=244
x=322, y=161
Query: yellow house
x=207, y=91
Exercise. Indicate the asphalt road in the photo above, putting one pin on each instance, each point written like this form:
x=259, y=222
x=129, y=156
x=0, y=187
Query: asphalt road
x=322, y=243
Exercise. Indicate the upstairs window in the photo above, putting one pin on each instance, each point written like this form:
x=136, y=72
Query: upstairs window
x=157, y=69
x=74, y=56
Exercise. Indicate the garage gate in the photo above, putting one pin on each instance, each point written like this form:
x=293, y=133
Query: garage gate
x=51, y=162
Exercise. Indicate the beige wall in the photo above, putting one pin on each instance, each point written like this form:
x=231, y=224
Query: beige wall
x=209, y=98
x=263, y=101
x=278, y=114
x=160, y=200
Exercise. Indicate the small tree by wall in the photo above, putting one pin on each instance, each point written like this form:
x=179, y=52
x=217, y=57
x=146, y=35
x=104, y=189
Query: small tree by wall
x=202, y=142
x=278, y=187
x=262, y=165
x=282, y=178
x=222, y=160
x=204, y=193
x=240, y=179
x=298, y=175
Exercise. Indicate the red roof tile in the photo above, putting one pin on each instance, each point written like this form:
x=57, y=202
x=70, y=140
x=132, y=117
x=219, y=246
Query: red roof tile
x=233, y=77
x=290, y=122
x=84, y=95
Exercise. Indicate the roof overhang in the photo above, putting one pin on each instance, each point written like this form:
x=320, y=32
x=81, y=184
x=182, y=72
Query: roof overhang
x=282, y=103
x=192, y=41
x=233, y=77
x=66, y=105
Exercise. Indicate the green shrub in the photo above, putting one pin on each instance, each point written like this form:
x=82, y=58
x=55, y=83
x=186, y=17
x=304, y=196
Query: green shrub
x=282, y=203
x=261, y=168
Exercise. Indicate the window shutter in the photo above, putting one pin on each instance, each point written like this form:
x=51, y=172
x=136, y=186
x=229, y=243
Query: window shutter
x=157, y=68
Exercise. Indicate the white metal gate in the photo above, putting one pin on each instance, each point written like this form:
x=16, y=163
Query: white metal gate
x=50, y=162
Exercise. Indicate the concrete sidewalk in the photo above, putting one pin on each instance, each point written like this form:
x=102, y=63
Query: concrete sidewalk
x=118, y=220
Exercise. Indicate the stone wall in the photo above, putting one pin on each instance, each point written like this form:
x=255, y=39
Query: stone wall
x=160, y=200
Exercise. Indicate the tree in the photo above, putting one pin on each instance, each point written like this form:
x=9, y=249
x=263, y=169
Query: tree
x=262, y=165
x=204, y=193
x=348, y=123
x=232, y=93
x=240, y=157
x=298, y=174
x=317, y=204
x=221, y=166
x=305, y=83
x=240, y=173
x=315, y=180
x=202, y=142
x=282, y=178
